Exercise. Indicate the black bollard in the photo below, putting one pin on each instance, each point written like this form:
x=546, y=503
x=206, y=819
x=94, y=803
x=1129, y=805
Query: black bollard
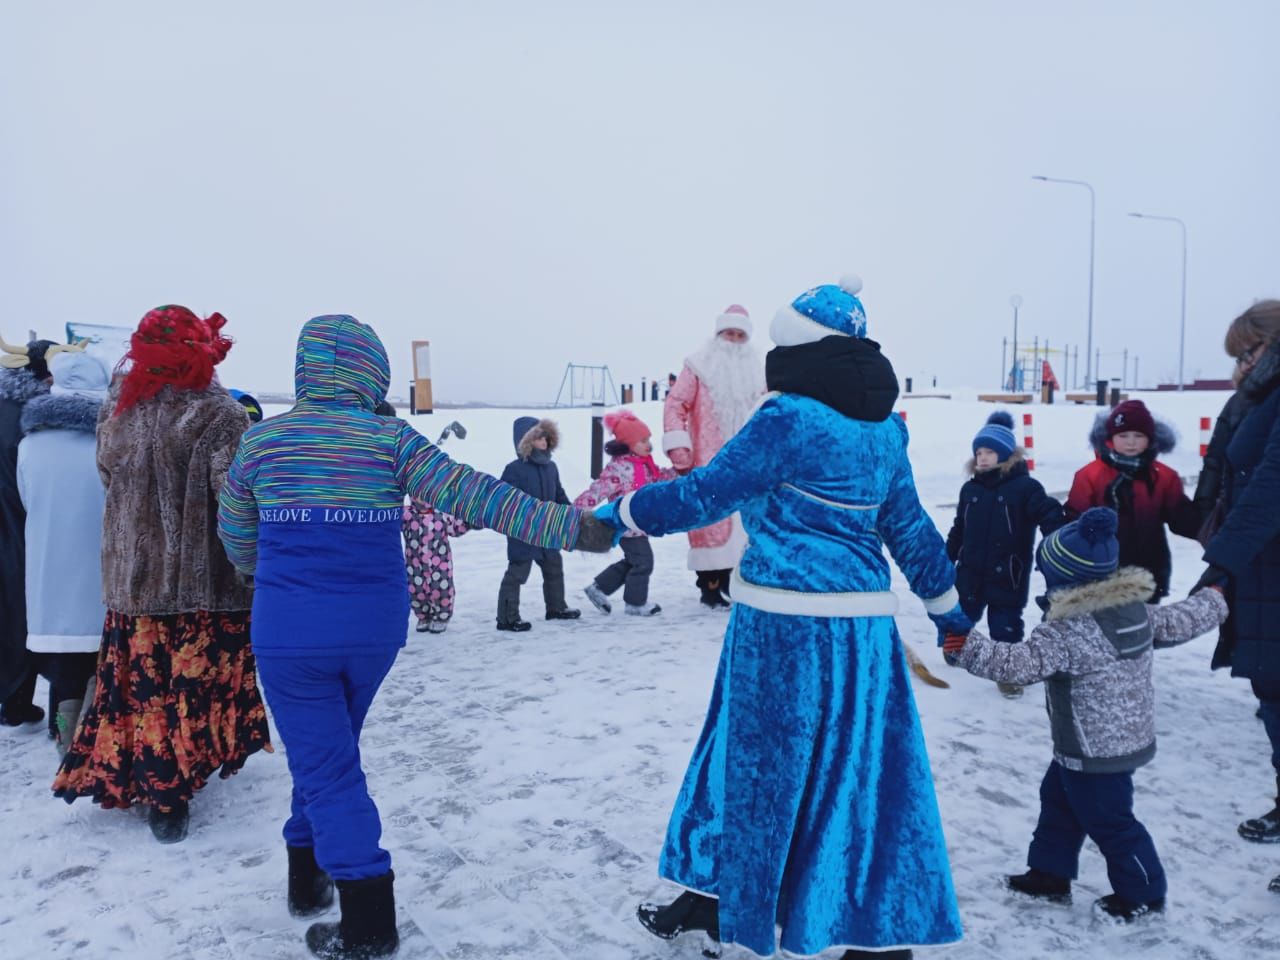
x=597, y=439
x=1102, y=393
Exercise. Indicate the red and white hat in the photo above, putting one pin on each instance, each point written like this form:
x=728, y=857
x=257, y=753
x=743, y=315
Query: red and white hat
x=734, y=317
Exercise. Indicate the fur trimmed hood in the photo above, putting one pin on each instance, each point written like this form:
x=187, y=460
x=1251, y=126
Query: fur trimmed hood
x=1126, y=585
x=61, y=412
x=1005, y=467
x=545, y=428
x=20, y=386
x=1166, y=438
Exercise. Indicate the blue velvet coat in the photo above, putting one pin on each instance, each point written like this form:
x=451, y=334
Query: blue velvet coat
x=809, y=800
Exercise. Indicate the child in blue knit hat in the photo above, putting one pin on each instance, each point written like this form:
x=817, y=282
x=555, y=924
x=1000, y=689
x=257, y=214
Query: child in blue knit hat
x=995, y=528
x=1094, y=653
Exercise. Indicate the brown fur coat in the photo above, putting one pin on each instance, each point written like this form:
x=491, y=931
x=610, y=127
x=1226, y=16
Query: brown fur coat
x=163, y=462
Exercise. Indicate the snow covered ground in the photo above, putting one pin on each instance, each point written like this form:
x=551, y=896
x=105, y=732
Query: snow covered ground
x=525, y=781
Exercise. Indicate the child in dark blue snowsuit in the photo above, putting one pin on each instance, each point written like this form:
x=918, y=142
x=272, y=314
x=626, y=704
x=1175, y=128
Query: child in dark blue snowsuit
x=995, y=529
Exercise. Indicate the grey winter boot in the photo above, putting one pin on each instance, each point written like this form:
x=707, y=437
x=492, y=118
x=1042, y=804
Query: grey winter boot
x=1266, y=828
x=68, y=720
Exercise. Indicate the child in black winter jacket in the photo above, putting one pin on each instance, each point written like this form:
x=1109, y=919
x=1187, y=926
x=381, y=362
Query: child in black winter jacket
x=533, y=472
x=995, y=530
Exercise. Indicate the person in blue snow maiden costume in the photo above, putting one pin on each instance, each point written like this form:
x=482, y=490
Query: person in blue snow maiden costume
x=809, y=803
x=312, y=510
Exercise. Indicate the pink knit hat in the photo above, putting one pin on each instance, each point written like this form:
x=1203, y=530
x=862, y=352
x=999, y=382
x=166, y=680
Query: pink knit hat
x=734, y=317
x=626, y=427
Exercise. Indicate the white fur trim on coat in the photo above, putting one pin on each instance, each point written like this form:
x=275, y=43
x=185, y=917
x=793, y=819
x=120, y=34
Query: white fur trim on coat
x=50, y=643
x=876, y=603
x=676, y=440
x=943, y=603
x=624, y=512
x=791, y=328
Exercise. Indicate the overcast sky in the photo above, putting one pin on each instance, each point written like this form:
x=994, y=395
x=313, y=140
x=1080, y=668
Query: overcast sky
x=527, y=184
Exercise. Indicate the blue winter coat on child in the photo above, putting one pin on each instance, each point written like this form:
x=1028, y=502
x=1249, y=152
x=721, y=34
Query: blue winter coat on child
x=995, y=530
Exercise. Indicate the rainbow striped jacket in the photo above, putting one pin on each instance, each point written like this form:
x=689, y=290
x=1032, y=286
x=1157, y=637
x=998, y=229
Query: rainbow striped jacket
x=313, y=499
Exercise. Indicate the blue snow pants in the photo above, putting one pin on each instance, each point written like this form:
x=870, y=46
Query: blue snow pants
x=1098, y=805
x=1004, y=622
x=319, y=705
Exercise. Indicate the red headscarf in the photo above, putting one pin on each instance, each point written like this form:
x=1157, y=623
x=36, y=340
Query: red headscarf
x=172, y=347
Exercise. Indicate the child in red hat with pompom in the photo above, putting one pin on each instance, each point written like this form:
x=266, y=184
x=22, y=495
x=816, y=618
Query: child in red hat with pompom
x=1127, y=476
x=631, y=468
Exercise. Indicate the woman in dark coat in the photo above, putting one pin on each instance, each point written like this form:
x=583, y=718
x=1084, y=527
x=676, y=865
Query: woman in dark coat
x=1245, y=552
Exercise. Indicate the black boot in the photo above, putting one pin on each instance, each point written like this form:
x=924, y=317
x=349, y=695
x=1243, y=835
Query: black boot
x=367, y=929
x=169, y=826
x=1274, y=885
x=688, y=912
x=710, y=585
x=877, y=955
x=1266, y=828
x=310, y=889
x=515, y=626
x=16, y=716
x=1114, y=908
x=1041, y=885
x=566, y=613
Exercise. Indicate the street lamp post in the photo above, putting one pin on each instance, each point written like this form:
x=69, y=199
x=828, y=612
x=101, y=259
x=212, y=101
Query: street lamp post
x=1088, y=351
x=1182, y=325
x=1016, y=301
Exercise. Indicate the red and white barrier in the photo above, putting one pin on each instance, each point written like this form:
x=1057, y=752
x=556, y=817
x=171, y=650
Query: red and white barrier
x=1206, y=428
x=1029, y=440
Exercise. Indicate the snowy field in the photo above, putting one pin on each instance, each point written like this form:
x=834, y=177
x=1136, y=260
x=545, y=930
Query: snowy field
x=525, y=780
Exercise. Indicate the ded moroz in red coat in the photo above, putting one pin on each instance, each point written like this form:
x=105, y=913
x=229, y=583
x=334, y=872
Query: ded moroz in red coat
x=710, y=401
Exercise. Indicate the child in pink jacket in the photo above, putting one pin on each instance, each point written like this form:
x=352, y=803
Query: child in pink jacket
x=429, y=563
x=630, y=469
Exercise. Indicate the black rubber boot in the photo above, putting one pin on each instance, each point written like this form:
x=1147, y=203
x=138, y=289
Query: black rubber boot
x=1041, y=885
x=169, y=826
x=310, y=889
x=568, y=613
x=367, y=929
x=1266, y=828
x=689, y=912
x=877, y=955
x=515, y=626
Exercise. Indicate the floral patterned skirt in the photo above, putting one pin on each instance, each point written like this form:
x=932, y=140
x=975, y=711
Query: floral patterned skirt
x=177, y=699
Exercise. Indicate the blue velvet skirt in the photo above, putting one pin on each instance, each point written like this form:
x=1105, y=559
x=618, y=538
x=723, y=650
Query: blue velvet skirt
x=809, y=801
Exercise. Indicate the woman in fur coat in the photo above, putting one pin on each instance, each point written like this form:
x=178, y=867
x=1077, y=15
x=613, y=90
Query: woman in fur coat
x=177, y=696
x=809, y=803
x=717, y=390
x=63, y=497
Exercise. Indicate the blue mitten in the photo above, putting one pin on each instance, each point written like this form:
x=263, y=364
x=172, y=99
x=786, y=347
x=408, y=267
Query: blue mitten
x=953, y=622
x=611, y=514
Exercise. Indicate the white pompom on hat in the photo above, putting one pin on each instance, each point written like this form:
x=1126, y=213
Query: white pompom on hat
x=734, y=317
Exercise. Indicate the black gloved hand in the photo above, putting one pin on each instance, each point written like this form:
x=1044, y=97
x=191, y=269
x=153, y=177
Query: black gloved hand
x=1212, y=577
x=594, y=535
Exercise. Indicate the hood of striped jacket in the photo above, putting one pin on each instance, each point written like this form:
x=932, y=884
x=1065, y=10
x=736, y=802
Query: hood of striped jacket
x=340, y=361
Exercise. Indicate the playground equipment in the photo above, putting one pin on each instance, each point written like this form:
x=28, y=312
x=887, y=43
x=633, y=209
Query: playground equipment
x=587, y=384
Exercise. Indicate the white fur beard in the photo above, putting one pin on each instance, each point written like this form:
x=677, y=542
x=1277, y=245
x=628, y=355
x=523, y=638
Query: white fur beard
x=734, y=375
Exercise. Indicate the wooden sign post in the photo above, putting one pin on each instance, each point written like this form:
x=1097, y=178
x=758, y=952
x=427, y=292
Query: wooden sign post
x=421, y=402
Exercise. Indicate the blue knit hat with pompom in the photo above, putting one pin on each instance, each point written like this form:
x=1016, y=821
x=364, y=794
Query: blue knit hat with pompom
x=1086, y=549
x=997, y=434
x=825, y=311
